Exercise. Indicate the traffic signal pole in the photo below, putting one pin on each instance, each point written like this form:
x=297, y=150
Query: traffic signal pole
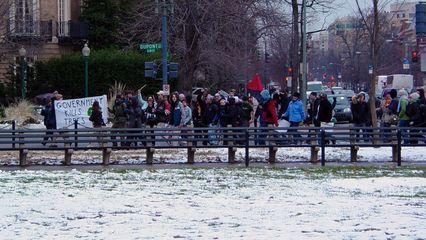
x=164, y=43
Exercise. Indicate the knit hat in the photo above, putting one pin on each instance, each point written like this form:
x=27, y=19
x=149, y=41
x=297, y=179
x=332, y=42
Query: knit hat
x=265, y=95
x=402, y=93
x=414, y=97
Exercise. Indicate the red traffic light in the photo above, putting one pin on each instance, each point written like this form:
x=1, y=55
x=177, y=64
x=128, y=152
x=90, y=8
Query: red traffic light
x=414, y=54
x=290, y=70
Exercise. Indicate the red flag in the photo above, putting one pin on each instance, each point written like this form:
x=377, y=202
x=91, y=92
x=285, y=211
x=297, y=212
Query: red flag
x=255, y=84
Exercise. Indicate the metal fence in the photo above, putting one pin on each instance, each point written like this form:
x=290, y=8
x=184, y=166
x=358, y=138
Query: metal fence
x=271, y=138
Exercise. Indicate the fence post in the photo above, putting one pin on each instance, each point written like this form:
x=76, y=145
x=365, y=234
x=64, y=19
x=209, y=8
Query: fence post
x=22, y=151
x=394, y=148
x=13, y=133
x=68, y=151
x=106, y=151
x=354, y=149
x=322, y=147
x=399, y=146
x=272, y=149
x=190, y=150
x=75, y=137
x=247, y=144
x=314, y=149
x=231, y=149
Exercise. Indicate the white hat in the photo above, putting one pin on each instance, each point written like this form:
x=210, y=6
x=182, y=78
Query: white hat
x=161, y=92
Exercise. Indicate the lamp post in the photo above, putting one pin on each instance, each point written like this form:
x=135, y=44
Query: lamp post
x=358, y=54
x=22, y=55
x=86, y=52
x=166, y=7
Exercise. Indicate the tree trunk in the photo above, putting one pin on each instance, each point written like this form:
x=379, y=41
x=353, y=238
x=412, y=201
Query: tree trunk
x=295, y=59
x=375, y=58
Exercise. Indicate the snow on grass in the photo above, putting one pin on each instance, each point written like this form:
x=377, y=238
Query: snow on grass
x=252, y=203
x=337, y=154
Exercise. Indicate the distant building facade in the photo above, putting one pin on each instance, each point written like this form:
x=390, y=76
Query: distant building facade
x=45, y=28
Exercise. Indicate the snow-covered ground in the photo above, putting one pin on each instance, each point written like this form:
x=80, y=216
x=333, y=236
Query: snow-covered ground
x=213, y=204
x=213, y=155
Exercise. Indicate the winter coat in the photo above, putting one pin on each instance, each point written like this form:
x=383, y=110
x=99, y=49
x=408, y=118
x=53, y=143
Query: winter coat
x=402, y=107
x=46, y=113
x=295, y=111
x=414, y=113
x=211, y=110
x=324, y=111
x=269, y=113
x=360, y=112
x=96, y=118
x=176, y=114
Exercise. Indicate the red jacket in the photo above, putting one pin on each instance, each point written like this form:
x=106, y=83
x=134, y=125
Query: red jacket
x=269, y=115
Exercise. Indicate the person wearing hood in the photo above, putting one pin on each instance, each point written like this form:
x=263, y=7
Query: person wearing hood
x=414, y=113
x=269, y=110
x=422, y=102
x=135, y=113
x=402, y=109
x=296, y=114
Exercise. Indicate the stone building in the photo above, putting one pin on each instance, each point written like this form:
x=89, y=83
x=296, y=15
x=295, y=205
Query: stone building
x=45, y=28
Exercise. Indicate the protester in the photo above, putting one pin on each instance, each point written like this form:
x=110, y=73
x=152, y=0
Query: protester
x=389, y=110
x=120, y=118
x=247, y=112
x=415, y=115
x=46, y=113
x=296, y=115
x=404, y=120
x=360, y=114
x=96, y=116
x=313, y=104
x=135, y=119
x=162, y=110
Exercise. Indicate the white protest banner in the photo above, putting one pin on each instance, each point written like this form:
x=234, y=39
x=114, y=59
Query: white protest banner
x=67, y=111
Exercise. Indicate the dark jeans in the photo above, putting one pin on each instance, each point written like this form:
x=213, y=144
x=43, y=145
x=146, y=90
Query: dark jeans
x=404, y=124
x=293, y=128
x=361, y=125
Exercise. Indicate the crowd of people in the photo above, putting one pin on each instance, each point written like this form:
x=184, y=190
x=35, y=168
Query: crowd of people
x=212, y=110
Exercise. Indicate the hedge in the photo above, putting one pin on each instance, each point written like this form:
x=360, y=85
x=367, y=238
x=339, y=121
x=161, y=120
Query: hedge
x=66, y=74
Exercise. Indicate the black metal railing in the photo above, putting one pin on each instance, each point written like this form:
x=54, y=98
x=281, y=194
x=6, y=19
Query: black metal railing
x=30, y=28
x=272, y=138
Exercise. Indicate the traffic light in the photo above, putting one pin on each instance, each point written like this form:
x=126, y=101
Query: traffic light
x=173, y=69
x=290, y=71
x=414, y=57
x=151, y=69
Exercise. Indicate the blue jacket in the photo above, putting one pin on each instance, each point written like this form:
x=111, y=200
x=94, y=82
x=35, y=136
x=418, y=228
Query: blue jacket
x=295, y=111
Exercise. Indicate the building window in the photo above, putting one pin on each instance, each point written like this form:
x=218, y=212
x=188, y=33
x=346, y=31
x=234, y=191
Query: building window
x=403, y=15
x=23, y=17
x=397, y=15
x=64, y=13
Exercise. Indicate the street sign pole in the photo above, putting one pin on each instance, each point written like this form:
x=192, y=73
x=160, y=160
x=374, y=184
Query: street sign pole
x=164, y=44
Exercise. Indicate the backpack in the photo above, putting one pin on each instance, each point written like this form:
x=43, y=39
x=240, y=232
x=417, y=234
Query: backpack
x=412, y=109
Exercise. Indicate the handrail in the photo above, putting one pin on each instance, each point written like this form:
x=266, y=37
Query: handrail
x=316, y=138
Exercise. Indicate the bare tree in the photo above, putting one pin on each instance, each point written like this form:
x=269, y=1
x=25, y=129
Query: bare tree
x=214, y=41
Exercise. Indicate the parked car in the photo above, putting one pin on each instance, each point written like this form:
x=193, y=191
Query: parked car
x=342, y=110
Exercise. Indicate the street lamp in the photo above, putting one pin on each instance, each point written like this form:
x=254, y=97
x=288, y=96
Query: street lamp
x=86, y=52
x=22, y=55
x=358, y=77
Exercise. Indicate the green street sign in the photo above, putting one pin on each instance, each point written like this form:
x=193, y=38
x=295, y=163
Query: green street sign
x=150, y=47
